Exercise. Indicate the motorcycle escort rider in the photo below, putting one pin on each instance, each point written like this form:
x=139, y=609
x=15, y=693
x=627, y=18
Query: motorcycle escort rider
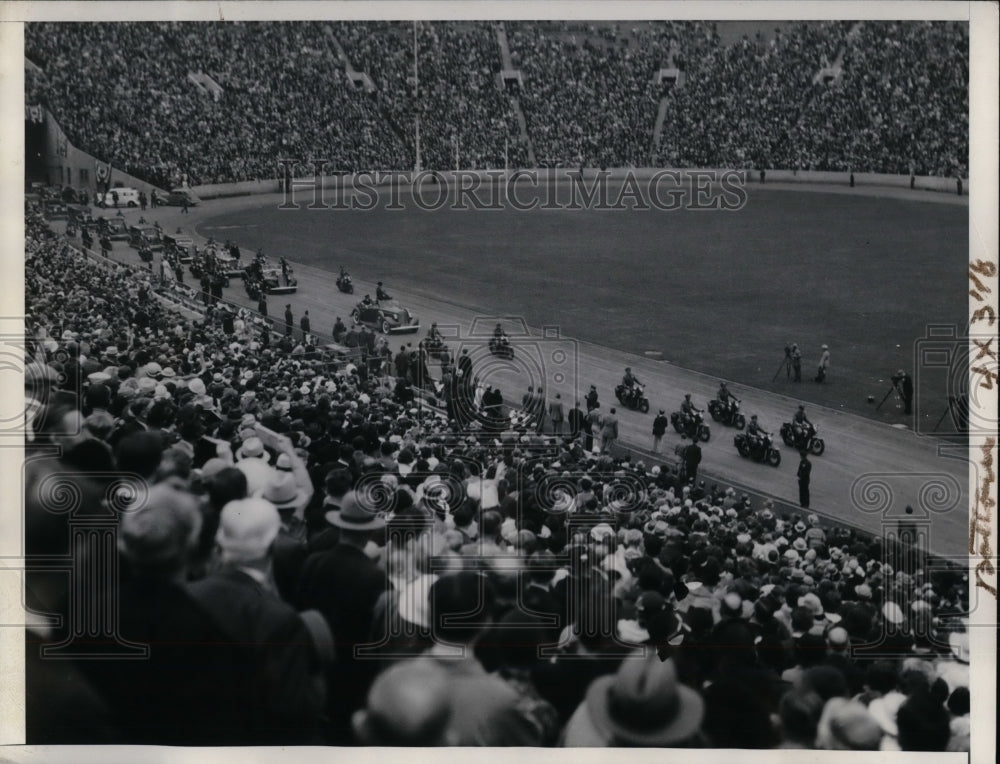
x=380, y=294
x=499, y=336
x=688, y=411
x=801, y=425
x=726, y=399
x=630, y=385
x=757, y=434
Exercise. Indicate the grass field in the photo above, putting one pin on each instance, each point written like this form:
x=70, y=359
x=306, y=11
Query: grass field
x=718, y=292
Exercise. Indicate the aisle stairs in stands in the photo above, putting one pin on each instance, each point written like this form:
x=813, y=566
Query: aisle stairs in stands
x=511, y=78
x=666, y=78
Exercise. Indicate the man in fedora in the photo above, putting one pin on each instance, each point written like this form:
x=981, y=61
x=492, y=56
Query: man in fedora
x=642, y=705
x=344, y=584
x=242, y=598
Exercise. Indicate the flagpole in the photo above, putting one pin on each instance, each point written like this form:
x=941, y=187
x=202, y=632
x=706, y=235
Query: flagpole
x=416, y=96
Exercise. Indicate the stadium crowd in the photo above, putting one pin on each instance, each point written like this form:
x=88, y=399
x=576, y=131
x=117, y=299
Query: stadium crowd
x=121, y=91
x=314, y=559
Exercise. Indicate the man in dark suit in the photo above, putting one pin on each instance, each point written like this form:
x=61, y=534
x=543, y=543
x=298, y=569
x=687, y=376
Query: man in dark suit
x=692, y=458
x=344, y=584
x=195, y=687
x=804, y=475
x=289, y=319
x=575, y=421
x=243, y=600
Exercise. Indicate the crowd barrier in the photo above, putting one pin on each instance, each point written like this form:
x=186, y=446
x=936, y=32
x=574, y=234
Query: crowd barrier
x=330, y=179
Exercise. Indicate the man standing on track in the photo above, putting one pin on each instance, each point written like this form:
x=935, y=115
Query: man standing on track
x=609, y=431
x=692, y=458
x=590, y=421
x=824, y=364
x=659, y=428
x=575, y=419
x=804, y=475
x=289, y=320
x=556, y=414
x=305, y=326
x=796, y=363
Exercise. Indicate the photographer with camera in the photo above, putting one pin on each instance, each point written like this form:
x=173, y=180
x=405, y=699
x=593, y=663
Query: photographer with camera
x=903, y=384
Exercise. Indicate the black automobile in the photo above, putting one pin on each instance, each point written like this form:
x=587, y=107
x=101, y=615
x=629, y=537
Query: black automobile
x=145, y=236
x=179, y=244
x=115, y=229
x=386, y=317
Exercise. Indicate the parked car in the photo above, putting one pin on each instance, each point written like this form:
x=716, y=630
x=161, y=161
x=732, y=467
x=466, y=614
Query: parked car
x=115, y=229
x=176, y=197
x=140, y=236
x=127, y=197
x=386, y=317
x=56, y=209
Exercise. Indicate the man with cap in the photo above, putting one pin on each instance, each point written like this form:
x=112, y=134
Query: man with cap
x=824, y=364
x=242, y=598
x=344, y=584
x=659, y=429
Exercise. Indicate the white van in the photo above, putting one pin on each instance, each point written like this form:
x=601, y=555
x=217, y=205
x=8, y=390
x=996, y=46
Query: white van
x=127, y=197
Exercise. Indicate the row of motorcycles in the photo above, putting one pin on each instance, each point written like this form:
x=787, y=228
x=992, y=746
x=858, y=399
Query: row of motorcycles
x=759, y=445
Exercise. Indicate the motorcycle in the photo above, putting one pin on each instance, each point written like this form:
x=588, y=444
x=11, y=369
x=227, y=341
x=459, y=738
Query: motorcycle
x=692, y=428
x=345, y=284
x=801, y=440
x=435, y=346
x=500, y=346
x=727, y=413
x=759, y=449
x=634, y=399
x=382, y=296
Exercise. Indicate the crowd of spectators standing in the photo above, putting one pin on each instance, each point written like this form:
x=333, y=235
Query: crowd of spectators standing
x=589, y=96
x=311, y=558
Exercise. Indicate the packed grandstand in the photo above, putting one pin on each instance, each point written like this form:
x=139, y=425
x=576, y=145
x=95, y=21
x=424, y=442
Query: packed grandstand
x=588, y=94
x=317, y=553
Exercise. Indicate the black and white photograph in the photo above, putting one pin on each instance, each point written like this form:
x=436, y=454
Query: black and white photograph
x=552, y=375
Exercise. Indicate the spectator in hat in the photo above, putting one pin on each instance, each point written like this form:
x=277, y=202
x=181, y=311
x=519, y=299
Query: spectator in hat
x=642, y=705
x=344, y=584
x=243, y=599
x=846, y=725
x=253, y=461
